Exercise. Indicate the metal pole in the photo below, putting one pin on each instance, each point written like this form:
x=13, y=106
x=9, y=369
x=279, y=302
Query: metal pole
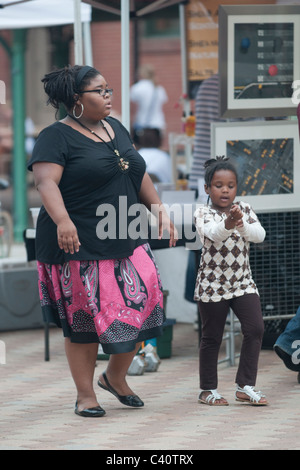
x=87, y=42
x=136, y=53
x=125, y=62
x=78, y=52
x=278, y=317
x=183, y=48
x=20, y=205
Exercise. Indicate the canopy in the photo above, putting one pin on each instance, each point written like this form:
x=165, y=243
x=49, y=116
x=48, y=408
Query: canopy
x=136, y=7
x=38, y=13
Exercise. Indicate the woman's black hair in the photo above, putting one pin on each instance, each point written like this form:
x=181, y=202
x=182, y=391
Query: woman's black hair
x=62, y=86
x=215, y=164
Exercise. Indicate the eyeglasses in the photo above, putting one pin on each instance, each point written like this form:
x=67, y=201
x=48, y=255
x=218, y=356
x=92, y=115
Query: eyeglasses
x=100, y=91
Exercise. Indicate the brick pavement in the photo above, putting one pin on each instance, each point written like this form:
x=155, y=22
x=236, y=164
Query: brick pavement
x=37, y=404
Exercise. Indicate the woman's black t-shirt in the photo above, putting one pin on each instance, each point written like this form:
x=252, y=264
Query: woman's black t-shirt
x=97, y=193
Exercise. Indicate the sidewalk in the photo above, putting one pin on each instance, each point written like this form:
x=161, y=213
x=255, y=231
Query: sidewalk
x=37, y=404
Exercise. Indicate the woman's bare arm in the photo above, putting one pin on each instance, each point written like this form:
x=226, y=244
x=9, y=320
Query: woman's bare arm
x=47, y=177
x=150, y=199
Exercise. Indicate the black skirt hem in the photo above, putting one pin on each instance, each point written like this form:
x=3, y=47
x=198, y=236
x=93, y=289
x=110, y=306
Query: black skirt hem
x=117, y=348
x=52, y=317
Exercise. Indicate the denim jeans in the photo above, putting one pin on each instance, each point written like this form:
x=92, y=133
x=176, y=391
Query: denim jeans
x=287, y=345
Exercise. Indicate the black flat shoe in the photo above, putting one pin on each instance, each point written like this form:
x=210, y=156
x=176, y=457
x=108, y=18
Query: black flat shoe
x=128, y=400
x=96, y=412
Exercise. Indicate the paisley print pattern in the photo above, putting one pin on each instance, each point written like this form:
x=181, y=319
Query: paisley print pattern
x=114, y=302
x=130, y=283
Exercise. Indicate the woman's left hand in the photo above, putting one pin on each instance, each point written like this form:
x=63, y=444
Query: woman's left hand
x=166, y=225
x=149, y=197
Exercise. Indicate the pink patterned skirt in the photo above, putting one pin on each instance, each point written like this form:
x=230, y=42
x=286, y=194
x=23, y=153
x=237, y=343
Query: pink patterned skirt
x=116, y=302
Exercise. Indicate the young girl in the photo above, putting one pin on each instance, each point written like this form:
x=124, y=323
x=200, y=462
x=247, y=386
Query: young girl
x=224, y=281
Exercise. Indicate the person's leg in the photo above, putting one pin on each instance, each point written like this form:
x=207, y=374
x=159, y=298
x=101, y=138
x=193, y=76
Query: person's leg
x=213, y=318
x=82, y=360
x=116, y=371
x=247, y=308
x=287, y=343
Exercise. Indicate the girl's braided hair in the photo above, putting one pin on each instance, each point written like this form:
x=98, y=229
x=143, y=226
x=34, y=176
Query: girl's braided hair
x=215, y=164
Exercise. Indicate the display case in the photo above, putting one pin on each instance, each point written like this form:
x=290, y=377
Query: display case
x=258, y=59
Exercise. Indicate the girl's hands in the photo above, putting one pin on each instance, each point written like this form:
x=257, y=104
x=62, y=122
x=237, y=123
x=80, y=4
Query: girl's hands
x=235, y=218
x=67, y=236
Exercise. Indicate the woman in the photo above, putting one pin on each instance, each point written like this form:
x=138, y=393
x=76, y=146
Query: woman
x=97, y=281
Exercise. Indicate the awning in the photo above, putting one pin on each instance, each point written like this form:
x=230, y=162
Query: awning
x=39, y=13
x=137, y=7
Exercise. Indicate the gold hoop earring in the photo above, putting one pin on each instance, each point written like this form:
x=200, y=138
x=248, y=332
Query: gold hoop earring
x=74, y=112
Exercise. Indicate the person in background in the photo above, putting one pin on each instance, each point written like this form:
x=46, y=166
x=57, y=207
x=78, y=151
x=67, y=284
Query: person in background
x=29, y=135
x=206, y=112
x=97, y=284
x=149, y=98
x=158, y=162
x=224, y=281
x=287, y=345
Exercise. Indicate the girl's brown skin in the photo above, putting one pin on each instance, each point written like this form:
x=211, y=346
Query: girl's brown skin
x=222, y=192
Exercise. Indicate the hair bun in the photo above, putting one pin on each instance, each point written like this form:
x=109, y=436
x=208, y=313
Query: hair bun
x=222, y=158
x=212, y=161
x=209, y=162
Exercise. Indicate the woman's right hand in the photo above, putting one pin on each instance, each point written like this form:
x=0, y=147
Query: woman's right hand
x=47, y=177
x=67, y=236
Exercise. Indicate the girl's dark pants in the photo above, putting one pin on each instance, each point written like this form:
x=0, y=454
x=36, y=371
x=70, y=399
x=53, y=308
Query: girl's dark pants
x=247, y=308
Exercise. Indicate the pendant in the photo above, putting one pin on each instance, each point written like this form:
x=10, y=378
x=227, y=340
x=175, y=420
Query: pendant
x=123, y=164
x=117, y=152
